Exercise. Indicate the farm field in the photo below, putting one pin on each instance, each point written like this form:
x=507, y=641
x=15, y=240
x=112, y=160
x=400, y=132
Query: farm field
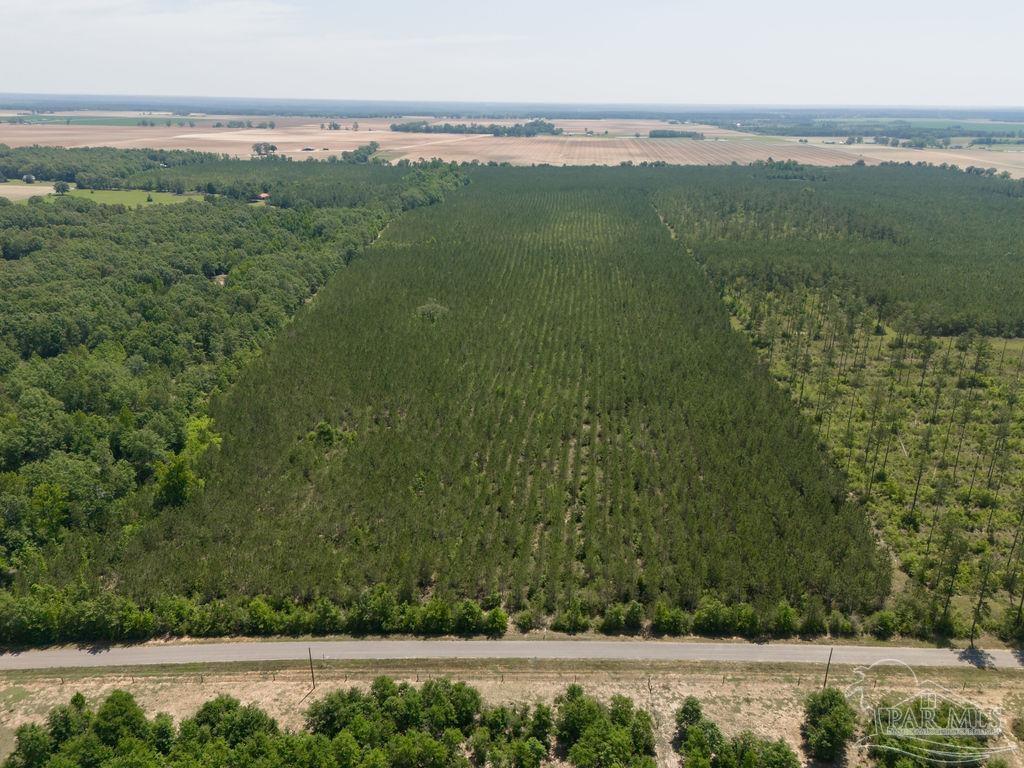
x=19, y=191
x=765, y=698
x=1009, y=158
x=293, y=135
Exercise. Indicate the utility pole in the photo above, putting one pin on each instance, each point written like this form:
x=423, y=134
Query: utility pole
x=827, y=668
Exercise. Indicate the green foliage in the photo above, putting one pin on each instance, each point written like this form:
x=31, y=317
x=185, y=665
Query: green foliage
x=701, y=743
x=667, y=133
x=829, y=724
x=393, y=725
x=360, y=155
x=883, y=624
x=595, y=736
x=92, y=167
x=896, y=750
x=118, y=325
x=892, y=237
x=670, y=620
x=388, y=503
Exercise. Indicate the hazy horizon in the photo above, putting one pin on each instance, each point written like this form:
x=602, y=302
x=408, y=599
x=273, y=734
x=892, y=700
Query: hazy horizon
x=656, y=52
x=383, y=100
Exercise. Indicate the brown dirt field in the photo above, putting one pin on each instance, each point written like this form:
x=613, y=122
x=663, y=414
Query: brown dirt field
x=763, y=698
x=1011, y=160
x=579, y=150
x=14, y=191
x=293, y=133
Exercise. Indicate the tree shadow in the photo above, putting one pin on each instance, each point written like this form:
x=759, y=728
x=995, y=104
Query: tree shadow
x=977, y=657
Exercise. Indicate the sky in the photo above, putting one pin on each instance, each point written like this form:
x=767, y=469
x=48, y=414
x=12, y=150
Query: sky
x=897, y=52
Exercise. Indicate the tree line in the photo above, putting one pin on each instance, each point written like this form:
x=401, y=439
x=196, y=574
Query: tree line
x=440, y=724
x=529, y=128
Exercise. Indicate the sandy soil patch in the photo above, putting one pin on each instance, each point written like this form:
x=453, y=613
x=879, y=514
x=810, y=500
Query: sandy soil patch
x=14, y=191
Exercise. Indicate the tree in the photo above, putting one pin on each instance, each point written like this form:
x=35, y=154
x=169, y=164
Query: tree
x=61, y=187
x=688, y=715
x=602, y=745
x=829, y=723
x=32, y=748
x=120, y=717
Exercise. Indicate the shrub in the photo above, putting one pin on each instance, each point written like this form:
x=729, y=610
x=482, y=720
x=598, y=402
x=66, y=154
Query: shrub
x=469, y=618
x=688, y=714
x=525, y=620
x=785, y=620
x=813, y=622
x=614, y=619
x=496, y=622
x=712, y=617
x=436, y=618
x=670, y=620
x=571, y=620
x=840, y=625
x=883, y=624
x=828, y=726
x=633, y=620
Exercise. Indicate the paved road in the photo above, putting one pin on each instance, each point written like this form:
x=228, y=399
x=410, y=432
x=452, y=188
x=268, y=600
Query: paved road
x=617, y=650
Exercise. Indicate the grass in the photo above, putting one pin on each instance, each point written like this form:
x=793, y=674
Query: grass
x=131, y=197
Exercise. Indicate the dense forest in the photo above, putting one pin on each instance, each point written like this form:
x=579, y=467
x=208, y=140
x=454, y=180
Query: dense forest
x=527, y=377
x=917, y=132
x=530, y=128
x=873, y=296
x=927, y=248
x=117, y=325
x=557, y=359
x=92, y=167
